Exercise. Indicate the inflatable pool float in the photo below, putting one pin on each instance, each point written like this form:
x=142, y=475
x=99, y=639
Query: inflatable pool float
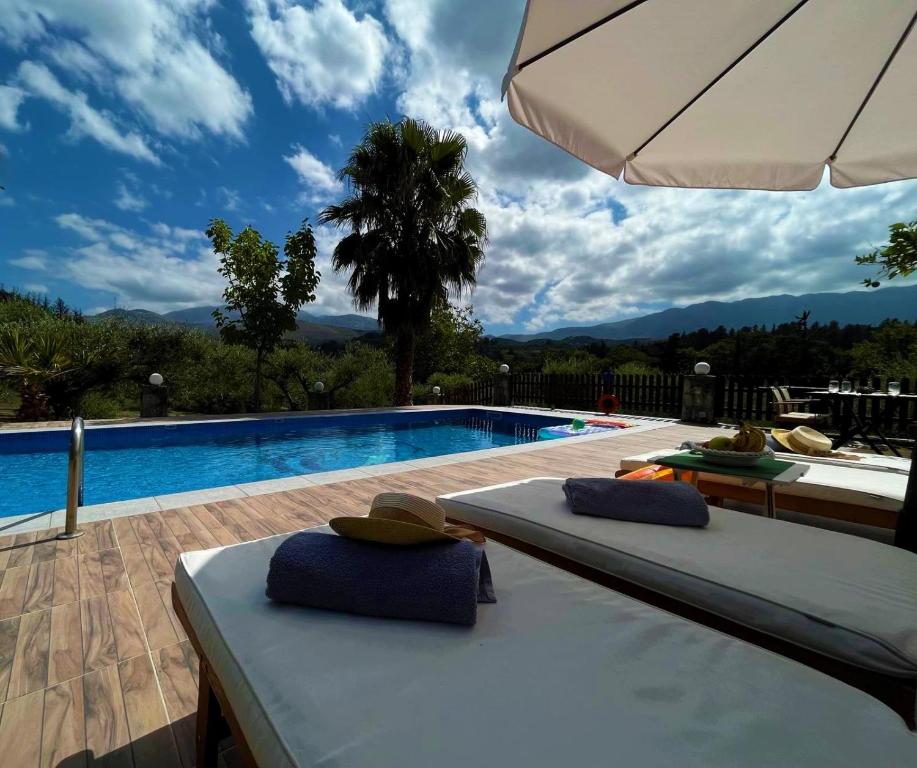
x=569, y=430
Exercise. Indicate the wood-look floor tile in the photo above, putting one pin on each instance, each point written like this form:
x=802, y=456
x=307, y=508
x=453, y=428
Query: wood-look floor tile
x=138, y=570
x=207, y=518
x=20, y=731
x=105, y=535
x=157, y=561
x=66, y=580
x=124, y=531
x=175, y=667
x=224, y=536
x=171, y=549
x=88, y=542
x=175, y=522
x=188, y=542
x=157, y=524
x=65, y=659
x=205, y=538
x=156, y=621
x=45, y=547
x=142, y=530
x=113, y=572
x=64, y=731
x=151, y=739
x=92, y=583
x=125, y=622
x=107, y=735
x=22, y=549
x=99, y=648
x=30, y=662
x=39, y=591
x=165, y=592
x=9, y=632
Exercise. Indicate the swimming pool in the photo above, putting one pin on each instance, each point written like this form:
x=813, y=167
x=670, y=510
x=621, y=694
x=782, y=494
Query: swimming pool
x=130, y=462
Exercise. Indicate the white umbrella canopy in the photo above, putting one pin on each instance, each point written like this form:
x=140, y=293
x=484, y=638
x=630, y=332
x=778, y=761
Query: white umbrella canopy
x=735, y=94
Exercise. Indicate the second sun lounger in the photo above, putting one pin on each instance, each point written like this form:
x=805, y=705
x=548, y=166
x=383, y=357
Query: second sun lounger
x=837, y=602
x=559, y=672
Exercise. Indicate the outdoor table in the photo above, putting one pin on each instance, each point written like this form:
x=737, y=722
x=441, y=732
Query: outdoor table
x=846, y=417
x=769, y=471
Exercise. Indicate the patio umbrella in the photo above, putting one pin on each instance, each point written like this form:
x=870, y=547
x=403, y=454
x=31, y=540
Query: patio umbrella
x=738, y=94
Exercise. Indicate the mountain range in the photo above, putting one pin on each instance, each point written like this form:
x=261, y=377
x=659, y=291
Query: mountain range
x=314, y=329
x=869, y=307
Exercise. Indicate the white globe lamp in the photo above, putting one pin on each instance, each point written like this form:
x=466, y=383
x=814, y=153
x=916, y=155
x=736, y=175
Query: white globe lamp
x=318, y=387
x=504, y=369
x=702, y=369
x=436, y=391
x=156, y=379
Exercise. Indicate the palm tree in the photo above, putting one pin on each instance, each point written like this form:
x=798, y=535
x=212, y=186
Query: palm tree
x=414, y=235
x=32, y=360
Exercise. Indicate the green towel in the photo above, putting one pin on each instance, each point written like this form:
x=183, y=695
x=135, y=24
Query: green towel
x=765, y=469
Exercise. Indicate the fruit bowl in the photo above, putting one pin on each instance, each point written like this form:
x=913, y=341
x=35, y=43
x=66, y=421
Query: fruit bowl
x=731, y=458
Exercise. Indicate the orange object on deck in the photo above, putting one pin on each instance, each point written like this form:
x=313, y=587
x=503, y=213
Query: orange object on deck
x=656, y=472
x=608, y=423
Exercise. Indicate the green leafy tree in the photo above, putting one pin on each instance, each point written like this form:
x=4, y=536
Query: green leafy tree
x=265, y=292
x=451, y=345
x=898, y=258
x=414, y=235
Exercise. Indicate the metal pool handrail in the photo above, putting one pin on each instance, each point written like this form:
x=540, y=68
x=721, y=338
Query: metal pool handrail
x=74, y=479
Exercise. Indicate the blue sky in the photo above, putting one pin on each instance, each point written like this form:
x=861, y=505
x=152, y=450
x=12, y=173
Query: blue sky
x=126, y=125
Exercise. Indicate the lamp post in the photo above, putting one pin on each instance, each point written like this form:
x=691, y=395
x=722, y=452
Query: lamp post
x=502, y=387
x=154, y=398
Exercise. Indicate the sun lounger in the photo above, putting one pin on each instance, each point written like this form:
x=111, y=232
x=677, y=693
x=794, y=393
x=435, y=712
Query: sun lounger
x=869, y=491
x=559, y=672
x=839, y=603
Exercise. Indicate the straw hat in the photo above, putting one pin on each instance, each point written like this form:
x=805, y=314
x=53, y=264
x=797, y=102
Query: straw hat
x=402, y=519
x=804, y=440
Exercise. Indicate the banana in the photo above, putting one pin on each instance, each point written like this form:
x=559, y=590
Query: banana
x=749, y=440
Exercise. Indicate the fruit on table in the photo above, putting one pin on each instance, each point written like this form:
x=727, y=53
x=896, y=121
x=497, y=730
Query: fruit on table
x=749, y=440
x=721, y=444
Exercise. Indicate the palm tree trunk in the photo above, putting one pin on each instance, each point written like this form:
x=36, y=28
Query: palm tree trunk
x=404, y=366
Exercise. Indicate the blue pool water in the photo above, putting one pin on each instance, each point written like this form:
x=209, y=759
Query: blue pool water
x=133, y=462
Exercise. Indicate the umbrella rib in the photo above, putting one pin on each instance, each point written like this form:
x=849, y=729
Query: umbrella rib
x=875, y=85
x=577, y=35
x=780, y=22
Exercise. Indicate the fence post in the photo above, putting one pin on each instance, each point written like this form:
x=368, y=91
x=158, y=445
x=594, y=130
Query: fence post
x=698, y=399
x=502, y=386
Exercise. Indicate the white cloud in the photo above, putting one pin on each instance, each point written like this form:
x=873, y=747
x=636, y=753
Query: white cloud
x=325, y=55
x=156, y=54
x=229, y=198
x=570, y=245
x=39, y=288
x=127, y=200
x=318, y=178
x=32, y=258
x=151, y=270
x=10, y=100
x=40, y=82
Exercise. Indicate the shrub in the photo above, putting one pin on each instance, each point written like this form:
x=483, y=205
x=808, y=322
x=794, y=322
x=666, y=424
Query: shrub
x=96, y=405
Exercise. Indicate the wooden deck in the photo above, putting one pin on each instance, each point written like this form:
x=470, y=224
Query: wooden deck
x=94, y=666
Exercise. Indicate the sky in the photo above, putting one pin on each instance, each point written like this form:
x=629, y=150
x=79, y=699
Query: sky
x=125, y=126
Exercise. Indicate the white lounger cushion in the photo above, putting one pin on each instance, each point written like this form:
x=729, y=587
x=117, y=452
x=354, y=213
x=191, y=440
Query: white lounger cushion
x=850, y=483
x=559, y=672
x=849, y=598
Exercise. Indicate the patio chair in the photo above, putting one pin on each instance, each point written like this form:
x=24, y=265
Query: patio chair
x=789, y=410
x=843, y=604
x=559, y=671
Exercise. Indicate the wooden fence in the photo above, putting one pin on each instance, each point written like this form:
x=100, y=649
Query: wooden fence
x=738, y=398
x=639, y=395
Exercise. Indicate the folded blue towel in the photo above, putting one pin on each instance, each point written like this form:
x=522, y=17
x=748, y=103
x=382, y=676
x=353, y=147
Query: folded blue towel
x=433, y=582
x=638, y=501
